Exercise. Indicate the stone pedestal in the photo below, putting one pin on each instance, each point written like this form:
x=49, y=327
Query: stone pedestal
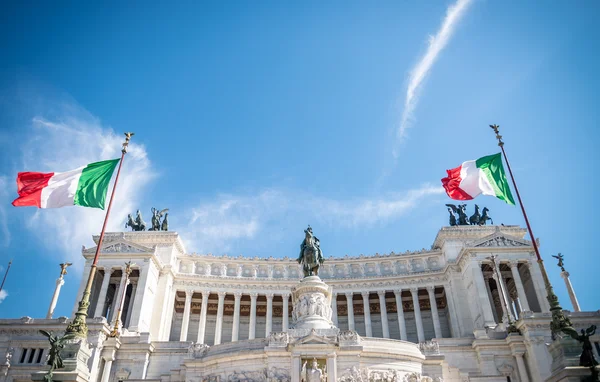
x=311, y=300
x=75, y=356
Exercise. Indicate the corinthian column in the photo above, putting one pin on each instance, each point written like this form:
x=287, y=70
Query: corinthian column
x=252, y=325
x=235, y=330
x=219, y=325
x=400, y=311
x=383, y=313
x=514, y=268
x=417, y=309
x=434, y=312
x=482, y=292
x=103, y=289
x=186, y=315
x=367, y=314
x=285, y=313
x=203, y=312
x=334, y=316
x=59, y=283
x=574, y=302
x=269, y=325
x=350, y=311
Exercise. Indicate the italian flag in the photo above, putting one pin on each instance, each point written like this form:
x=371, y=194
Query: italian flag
x=482, y=176
x=85, y=186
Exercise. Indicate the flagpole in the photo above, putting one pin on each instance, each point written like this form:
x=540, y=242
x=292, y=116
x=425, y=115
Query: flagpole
x=5, y=274
x=79, y=326
x=560, y=323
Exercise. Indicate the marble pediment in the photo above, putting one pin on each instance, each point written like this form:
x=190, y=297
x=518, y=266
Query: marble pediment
x=313, y=338
x=499, y=239
x=121, y=246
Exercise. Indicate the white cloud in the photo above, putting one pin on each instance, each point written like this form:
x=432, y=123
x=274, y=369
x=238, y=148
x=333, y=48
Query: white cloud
x=3, y=295
x=216, y=225
x=70, y=140
x=422, y=68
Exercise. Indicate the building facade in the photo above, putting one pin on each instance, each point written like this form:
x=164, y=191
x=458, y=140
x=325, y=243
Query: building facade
x=431, y=315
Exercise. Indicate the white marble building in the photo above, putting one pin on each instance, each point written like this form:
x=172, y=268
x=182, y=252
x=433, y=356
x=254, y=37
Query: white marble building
x=429, y=315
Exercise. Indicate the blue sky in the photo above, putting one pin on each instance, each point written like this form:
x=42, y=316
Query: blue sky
x=255, y=119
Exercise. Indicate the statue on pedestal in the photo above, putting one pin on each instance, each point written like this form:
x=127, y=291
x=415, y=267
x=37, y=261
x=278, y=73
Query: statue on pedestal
x=561, y=262
x=311, y=256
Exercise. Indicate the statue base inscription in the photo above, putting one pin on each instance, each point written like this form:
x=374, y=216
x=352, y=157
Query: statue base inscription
x=311, y=300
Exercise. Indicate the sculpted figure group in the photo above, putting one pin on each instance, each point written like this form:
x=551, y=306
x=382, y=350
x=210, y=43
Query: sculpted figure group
x=138, y=224
x=458, y=215
x=312, y=305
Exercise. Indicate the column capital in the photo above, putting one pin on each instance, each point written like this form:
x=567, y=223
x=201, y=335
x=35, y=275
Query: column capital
x=349, y=295
x=188, y=294
x=237, y=295
x=381, y=293
x=564, y=274
x=285, y=296
x=253, y=295
x=430, y=288
x=221, y=294
x=205, y=294
x=365, y=294
x=108, y=270
x=269, y=295
x=414, y=290
x=398, y=292
x=513, y=264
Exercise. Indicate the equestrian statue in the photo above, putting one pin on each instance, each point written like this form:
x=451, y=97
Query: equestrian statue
x=311, y=256
x=458, y=215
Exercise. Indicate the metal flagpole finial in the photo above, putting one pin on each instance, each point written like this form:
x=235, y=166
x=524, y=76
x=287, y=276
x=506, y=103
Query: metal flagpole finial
x=126, y=143
x=498, y=136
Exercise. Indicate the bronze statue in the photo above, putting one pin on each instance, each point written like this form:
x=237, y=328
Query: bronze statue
x=136, y=225
x=474, y=219
x=485, y=217
x=561, y=263
x=165, y=223
x=54, y=358
x=587, y=355
x=311, y=256
x=460, y=210
x=452, y=217
x=63, y=268
x=156, y=216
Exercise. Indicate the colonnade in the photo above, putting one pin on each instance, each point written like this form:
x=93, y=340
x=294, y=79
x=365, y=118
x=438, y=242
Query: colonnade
x=102, y=306
x=386, y=312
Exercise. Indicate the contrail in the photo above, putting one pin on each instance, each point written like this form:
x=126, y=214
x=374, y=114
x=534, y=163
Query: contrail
x=419, y=72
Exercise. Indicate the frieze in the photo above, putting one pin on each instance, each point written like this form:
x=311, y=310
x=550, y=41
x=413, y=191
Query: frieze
x=248, y=376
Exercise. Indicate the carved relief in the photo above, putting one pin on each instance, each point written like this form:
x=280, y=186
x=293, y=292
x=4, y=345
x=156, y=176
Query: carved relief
x=278, y=339
x=501, y=241
x=197, y=350
x=429, y=348
x=248, y=376
x=348, y=337
x=278, y=374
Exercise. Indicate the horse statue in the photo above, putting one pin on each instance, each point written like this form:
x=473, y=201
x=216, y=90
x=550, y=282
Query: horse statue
x=156, y=216
x=311, y=256
x=460, y=210
x=136, y=225
x=474, y=219
x=452, y=217
x=485, y=217
x=164, y=226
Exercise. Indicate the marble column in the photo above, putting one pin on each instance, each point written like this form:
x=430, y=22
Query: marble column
x=482, y=291
x=332, y=367
x=504, y=294
x=203, y=312
x=118, y=296
x=219, y=324
x=59, y=283
x=186, y=315
x=103, y=289
x=572, y=296
x=170, y=309
x=503, y=303
x=252, y=325
x=350, y=311
x=296, y=369
x=417, y=309
x=454, y=321
x=437, y=328
x=514, y=268
x=285, y=313
x=540, y=287
x=383, y=313
x=137, y=296
x=521, y=366
x=106, y=371
x=367, y=314
x=400, y=311
x=334, y=316
x=269, y=318
x=235, y=330
x=130, y=307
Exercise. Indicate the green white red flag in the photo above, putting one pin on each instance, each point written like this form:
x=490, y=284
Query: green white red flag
x=85, y=186
x=482, y=176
